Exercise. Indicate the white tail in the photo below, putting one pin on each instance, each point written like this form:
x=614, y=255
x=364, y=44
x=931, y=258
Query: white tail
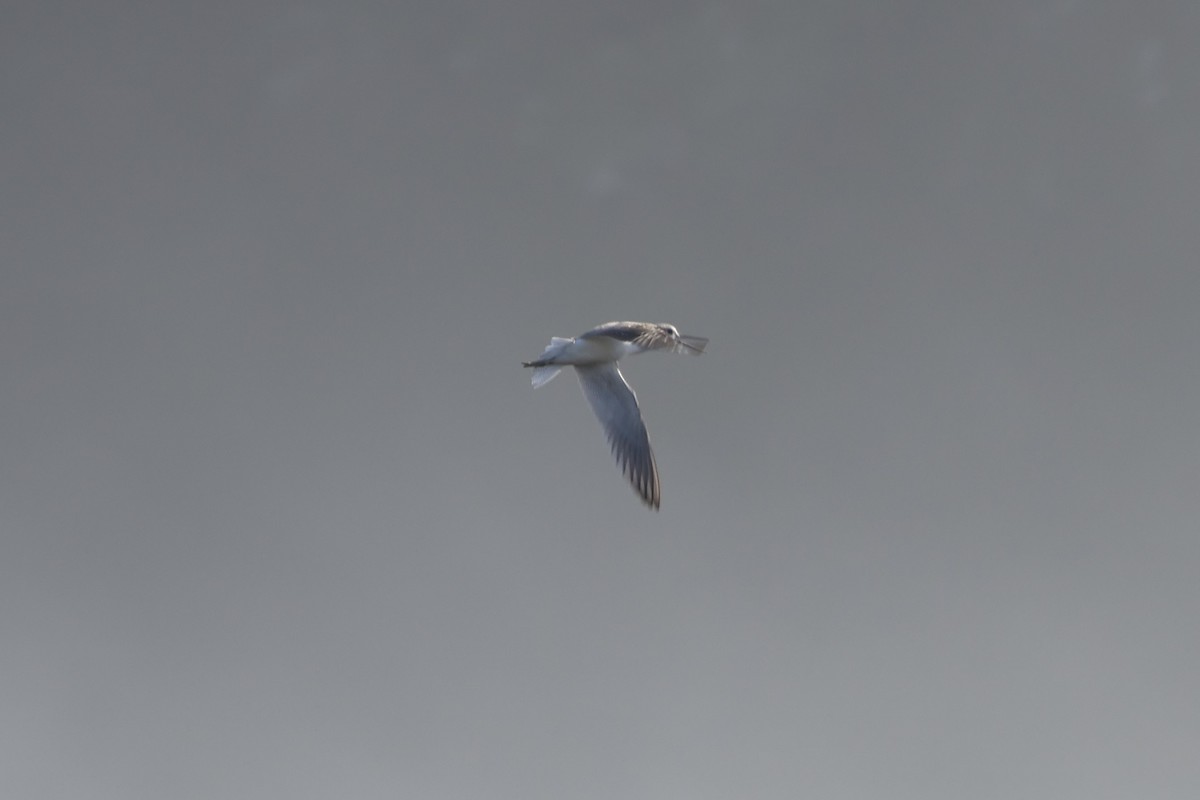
x=543, y=375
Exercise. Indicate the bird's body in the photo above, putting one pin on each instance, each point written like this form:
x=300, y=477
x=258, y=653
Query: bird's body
x=594, y=355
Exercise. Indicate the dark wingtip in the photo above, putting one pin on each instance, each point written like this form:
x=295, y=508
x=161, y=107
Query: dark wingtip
x=651, y=503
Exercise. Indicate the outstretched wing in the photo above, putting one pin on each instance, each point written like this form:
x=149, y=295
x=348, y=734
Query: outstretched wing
x=616, y=407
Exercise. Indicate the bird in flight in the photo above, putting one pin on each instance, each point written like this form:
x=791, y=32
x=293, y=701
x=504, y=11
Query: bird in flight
x=594, y=356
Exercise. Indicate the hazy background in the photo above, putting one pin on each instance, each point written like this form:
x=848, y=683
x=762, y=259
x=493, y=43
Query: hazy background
x=282, y=517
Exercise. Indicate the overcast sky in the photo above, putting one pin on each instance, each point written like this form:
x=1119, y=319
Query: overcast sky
x=282, y=517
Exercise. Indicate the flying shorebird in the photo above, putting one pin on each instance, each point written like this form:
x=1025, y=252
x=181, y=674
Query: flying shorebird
x=594, y=356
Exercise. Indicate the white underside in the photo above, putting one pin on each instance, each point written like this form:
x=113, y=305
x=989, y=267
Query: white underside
x=579, y=352
x=596, y=350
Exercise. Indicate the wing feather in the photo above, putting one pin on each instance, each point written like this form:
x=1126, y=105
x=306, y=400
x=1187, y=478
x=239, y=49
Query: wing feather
x=616, y=407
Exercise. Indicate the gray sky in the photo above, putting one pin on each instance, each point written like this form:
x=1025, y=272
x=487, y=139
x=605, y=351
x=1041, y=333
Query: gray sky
x=282, y=516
